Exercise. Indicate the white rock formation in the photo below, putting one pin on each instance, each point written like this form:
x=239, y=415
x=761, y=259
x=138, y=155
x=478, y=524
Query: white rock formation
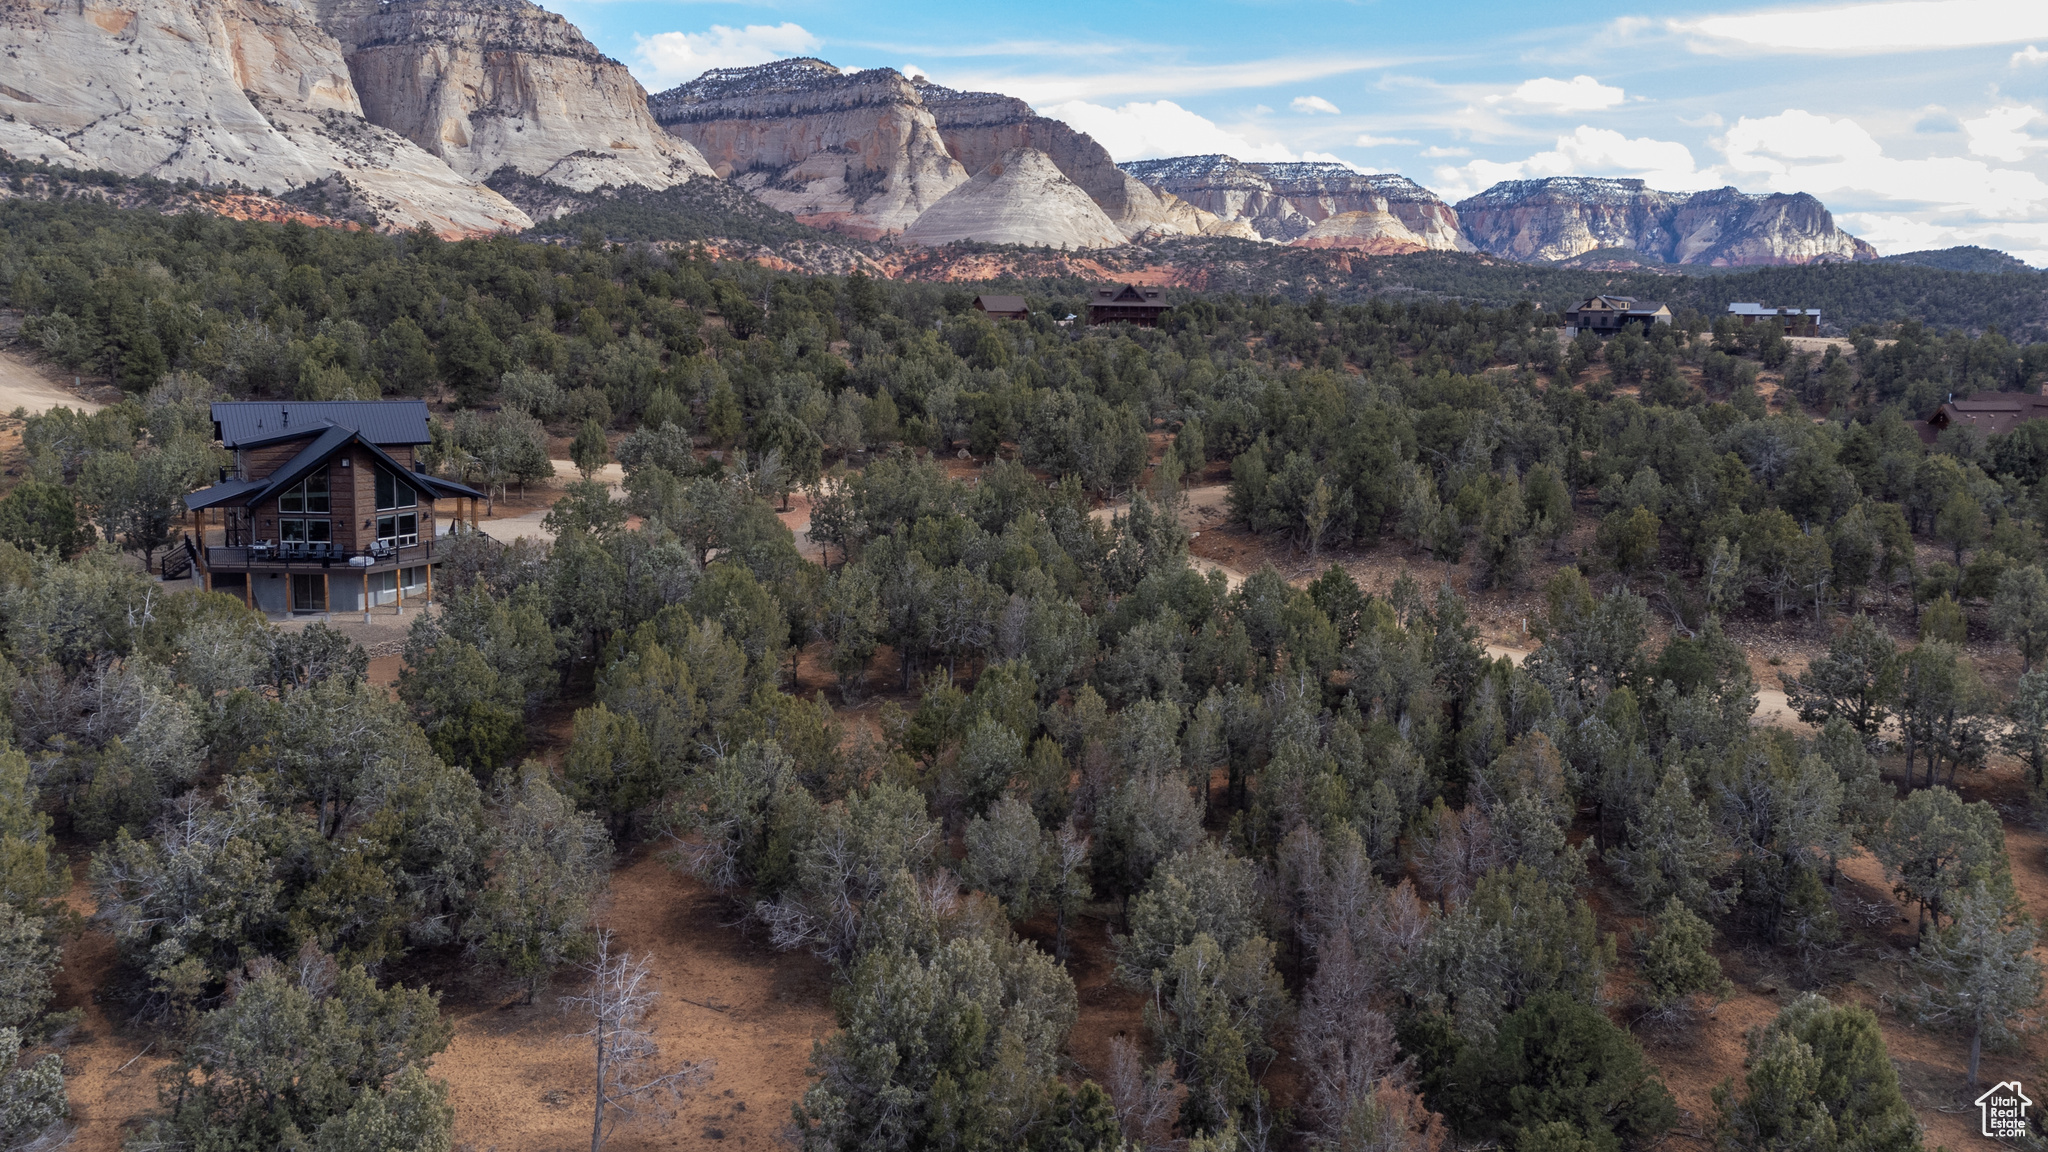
x=1284, y=201
x=1021, y=198
x=489, y=84
x=215, y=91
x=1377, y=231
x=857, y=153
x=979, y=127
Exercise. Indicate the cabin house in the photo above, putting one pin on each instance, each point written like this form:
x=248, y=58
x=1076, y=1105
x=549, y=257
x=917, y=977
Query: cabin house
x=1793, y=321
x=1002, y=307
x=326, y=508
x=1985, y=413
x=1605, y=315
x=1127, y=304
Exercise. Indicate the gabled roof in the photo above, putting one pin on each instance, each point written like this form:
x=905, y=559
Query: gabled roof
x=1001, y=303
x=308, y=461
x=1626, y=305
x=1990, y=413
x=328, y=444
x=1131, y=296
x=243, y=422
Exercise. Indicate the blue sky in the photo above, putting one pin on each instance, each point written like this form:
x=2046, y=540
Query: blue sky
x=1921, y=123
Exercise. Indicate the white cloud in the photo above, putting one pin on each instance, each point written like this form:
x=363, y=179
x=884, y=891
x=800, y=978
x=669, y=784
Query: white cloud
x=1854, y=29
x=1160, y=80
x=1368, y=140
x=1662, y=164
x=1143, y=131
x=669, y=58
x=1578, y=94
x=1999, y=133
x=1327, y=158
x=913, y=72
x=2029, y=55
x=1892, y=234
x=1438, y=152
x=1798, y=151
x=1313, y=104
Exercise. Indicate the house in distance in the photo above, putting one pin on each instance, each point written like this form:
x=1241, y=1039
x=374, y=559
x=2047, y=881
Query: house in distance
x=1793, y=321
x=1606, y=315
x=1127, y=304
x=1002, y=307
x=326, y=508
x=1985, y=413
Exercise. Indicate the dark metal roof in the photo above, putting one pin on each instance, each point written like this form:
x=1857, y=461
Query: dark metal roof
x=309, y=459
x=1130, y=296
x=1001, y=303
x=324, y=447
x=221, y=493
x=240, y=422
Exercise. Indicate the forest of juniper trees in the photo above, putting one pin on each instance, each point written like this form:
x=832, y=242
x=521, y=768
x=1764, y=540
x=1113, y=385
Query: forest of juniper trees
x=1310, y=820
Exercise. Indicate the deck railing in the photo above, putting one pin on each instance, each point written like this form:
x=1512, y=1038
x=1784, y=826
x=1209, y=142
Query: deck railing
x=274, y=557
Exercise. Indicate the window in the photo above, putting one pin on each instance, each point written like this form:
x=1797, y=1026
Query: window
x=394, y=492
x=399, y=529
x=309, y=535
x=309, y=495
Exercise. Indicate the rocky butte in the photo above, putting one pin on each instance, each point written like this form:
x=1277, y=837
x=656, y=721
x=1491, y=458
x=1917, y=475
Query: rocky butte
x=857, y=153
x=393, y=111
x=1564, y=216
x=871, y=153
x=217, y=91
x=979, y=127
x=494, y=84
x=1288, y=202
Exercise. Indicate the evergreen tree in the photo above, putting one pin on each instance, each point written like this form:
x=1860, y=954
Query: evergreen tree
x=1676, y=964
x=590, y=450
x=1857, y=680
x=1936, y=847
x=2020, y=612
x=1979, y=973
x=1819, y=1079
x=548, y=866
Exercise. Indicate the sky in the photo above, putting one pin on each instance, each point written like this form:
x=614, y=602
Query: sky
x=1920, y=123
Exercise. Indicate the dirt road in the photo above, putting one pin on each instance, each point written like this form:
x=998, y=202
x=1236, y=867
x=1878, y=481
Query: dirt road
x=27, y=386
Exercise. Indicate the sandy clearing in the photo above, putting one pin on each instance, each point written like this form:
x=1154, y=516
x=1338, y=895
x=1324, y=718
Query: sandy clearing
x=519, y=1081
x=25, y=385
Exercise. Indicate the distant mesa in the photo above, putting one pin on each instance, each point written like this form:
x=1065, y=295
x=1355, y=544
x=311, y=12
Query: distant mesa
x=1285, y=202
x=1566, y=216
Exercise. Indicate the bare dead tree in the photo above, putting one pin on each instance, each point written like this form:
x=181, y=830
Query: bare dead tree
x=1146, y=1098
x=629, y=1076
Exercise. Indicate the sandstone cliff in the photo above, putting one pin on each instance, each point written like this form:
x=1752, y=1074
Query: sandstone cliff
x=1021, y=197
x=1376, y=232
x=979, y=127
x=216, y=91
x=491, y=84
x=1562, y=217
x=858, y=153
x=1286, y=201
